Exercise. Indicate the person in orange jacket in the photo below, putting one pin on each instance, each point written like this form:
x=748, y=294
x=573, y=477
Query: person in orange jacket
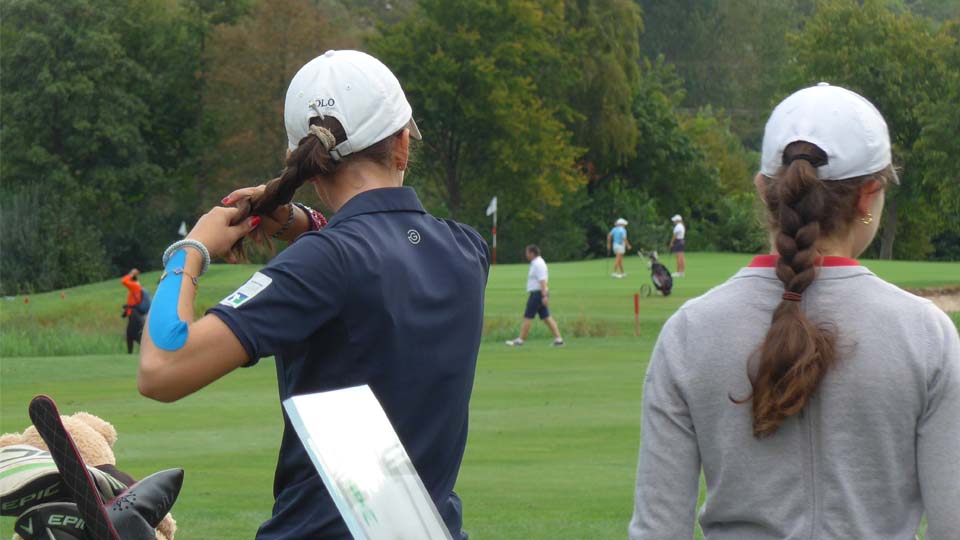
x=134, y=317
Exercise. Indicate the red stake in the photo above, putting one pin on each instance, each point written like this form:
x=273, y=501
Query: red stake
x=636, y=314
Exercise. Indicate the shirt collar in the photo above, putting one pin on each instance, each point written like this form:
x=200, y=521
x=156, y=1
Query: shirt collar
x=398, y=199
x=770, y=261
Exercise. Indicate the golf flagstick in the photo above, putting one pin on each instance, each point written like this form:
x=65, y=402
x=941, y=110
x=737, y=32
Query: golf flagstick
x=46, y=418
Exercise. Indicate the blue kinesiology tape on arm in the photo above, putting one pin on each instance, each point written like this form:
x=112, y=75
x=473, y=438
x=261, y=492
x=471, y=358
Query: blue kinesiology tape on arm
x=166, y=329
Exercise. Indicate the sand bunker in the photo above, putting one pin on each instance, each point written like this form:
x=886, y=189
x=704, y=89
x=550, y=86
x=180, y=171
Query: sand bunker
x=948, y=298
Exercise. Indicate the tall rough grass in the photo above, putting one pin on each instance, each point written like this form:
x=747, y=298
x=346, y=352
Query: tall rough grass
x=587, y=303
x=59, y=341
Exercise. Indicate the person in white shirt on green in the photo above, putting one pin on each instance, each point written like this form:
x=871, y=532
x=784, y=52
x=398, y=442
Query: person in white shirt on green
x=677, y=243
x=537, y=300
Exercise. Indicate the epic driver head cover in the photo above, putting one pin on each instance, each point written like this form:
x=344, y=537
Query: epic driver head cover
x=29, y=476
x=51, y=521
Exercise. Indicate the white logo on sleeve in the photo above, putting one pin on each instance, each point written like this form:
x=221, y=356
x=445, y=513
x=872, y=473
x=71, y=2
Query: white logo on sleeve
x=254, y=286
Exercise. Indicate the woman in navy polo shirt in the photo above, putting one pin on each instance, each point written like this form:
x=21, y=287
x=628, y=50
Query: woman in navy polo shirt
x=385, y=294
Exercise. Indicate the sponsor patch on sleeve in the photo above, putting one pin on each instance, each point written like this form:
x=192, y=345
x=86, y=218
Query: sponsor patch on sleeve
x=254, y=286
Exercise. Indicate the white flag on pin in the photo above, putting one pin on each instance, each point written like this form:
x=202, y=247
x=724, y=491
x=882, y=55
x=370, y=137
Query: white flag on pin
x=492, y=207
x=182, y=231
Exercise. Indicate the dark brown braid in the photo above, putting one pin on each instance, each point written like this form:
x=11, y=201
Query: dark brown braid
x=310, y=160
x=797, y=353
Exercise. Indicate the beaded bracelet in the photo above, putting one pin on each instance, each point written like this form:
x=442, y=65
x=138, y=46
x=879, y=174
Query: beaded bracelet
x=188, y=242
x=285, y=225
x=317, y=220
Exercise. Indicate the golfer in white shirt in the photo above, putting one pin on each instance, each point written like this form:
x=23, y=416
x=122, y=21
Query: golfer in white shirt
x=537, y=300
x=677, y=244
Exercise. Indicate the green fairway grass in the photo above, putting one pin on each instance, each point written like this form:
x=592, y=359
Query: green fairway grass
x=554, y=432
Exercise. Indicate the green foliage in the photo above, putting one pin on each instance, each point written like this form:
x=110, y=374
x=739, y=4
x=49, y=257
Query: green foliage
x=686, y=164
x=936, y=149
x=121, y=119
x=668, y=165
x=614, y=199
x=105, y=136
x=475, y=72
x=731, y=163
x=940, y=10
x=732, y=220
x=730, y=54
x=734, y=223
x=604, y=38
x=248, y=71
x=46, y=243
x=898, y=63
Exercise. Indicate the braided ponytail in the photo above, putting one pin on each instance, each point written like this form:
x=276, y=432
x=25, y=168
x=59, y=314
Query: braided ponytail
x=796, y=353
x=309, y=160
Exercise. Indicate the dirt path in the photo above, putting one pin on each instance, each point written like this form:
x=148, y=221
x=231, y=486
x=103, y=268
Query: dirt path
x=948, y=298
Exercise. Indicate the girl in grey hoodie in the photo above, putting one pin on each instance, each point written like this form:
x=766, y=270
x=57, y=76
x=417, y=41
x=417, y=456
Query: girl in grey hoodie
x=820, y=401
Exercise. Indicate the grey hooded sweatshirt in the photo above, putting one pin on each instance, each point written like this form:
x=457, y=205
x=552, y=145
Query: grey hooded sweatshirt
x=877, y=446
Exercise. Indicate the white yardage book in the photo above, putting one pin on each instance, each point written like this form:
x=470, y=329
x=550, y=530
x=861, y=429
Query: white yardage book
x=364, y=466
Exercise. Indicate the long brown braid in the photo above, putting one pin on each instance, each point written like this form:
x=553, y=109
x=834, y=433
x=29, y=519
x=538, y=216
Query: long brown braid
x=310, y=160
x=796, y=353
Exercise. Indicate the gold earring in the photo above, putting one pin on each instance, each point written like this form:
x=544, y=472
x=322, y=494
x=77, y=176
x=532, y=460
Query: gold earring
x=867, y=219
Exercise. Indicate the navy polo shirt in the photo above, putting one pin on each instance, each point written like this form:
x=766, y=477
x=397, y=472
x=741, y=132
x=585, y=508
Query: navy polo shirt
x=386, y=295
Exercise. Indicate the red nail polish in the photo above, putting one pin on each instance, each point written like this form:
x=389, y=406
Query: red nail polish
x=254, y=221
x=225, y=199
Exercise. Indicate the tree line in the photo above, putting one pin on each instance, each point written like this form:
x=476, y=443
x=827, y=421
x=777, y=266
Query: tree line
x=119, y=120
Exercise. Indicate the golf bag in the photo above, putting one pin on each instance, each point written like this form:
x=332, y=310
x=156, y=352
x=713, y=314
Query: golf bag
x=659, y=274
x=56, y=496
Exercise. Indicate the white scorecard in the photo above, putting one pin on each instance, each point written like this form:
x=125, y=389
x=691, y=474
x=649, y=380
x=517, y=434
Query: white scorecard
x=364, y=466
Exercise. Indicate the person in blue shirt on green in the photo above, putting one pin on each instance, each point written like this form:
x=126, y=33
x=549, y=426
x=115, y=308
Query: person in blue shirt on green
x=618, y=243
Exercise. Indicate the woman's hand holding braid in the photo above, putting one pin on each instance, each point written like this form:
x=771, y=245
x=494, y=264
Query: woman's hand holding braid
x=218, y=233
x=278, y=221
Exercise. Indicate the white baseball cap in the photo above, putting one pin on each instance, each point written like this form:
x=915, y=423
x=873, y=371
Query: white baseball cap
x=620, y=221
x=847, y=127
x=356, y=89
x=676, y=218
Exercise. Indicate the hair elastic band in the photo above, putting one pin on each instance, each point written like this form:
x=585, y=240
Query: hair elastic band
x=812, y=160
x=325, y=135
x=791, y=296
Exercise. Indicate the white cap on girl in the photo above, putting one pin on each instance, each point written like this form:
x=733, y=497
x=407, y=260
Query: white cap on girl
x=356, y=89
x=847, y=127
